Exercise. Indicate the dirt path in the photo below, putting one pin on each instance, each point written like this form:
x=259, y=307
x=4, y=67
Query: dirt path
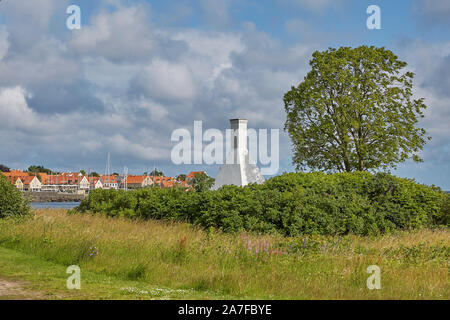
x=14, y=290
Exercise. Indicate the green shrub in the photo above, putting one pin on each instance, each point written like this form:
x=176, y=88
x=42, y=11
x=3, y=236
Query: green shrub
x=12, y=203
x=291, y=204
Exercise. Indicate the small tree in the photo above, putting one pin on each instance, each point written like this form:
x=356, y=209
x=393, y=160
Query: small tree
x=4, y=168
x=354, y=111
x=181, y=177
x=12, y=203
x=202, y=182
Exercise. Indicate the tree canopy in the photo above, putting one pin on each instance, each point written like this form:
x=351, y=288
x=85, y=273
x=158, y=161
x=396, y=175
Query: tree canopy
x=37, y=169
x=202, y=182
x=155, y=173
x=354, y=111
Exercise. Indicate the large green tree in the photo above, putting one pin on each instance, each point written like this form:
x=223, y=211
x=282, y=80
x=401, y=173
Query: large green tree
x=354, y=111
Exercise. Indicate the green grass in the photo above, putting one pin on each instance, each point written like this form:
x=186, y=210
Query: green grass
x=41, y=279
x=123, y=259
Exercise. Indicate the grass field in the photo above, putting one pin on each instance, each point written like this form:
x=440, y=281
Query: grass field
x=123, y=259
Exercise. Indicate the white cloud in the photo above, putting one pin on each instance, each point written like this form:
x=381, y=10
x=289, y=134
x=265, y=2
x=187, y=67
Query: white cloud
x=121, y=34
x=167, y=81
x=123, y=146
x=14, y=108
x=429, y=62
x=66, y=133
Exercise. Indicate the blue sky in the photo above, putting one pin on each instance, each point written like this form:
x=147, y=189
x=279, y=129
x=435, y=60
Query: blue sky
x=137, y=70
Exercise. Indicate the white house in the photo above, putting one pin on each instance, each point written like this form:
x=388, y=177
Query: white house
x=83, y=183
x=31, y=183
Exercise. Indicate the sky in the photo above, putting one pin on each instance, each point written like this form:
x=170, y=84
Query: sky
x=138, y=70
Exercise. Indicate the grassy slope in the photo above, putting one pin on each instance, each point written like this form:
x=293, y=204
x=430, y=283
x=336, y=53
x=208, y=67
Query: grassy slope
x=158, y=260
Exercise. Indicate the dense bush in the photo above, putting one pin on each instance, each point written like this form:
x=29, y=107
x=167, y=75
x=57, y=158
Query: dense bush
x=12, y=203
x=290, y=204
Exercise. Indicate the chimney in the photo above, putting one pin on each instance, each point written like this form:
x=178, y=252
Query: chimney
x=239, y=134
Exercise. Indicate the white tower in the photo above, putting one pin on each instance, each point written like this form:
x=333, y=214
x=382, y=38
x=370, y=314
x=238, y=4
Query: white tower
x=238, y=169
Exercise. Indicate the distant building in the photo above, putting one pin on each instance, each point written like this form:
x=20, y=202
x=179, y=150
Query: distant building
x=110, y=182
x=192, y=174
x=95, y=183
x=76, y=182
x=83, y=183
x=137, y=182
x=16, y=173
x=163, y=182
x=15, y=177
x=19, y=184
x=31, y=183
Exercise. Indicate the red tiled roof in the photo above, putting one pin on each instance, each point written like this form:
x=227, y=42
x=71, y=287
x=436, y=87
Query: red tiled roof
x=192, y=174
x=135, y=179
x=109, y=179
x=27, y=180
x=64, y=179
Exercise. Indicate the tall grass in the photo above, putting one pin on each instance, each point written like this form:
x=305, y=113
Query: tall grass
x=414, y=264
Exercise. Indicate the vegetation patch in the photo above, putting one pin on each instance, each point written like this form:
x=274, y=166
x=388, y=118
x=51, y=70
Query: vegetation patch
x=292, y=204
x=157, y=260
x=12, y=203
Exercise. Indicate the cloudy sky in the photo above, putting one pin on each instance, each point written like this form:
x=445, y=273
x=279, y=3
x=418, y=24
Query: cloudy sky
x=137, y=70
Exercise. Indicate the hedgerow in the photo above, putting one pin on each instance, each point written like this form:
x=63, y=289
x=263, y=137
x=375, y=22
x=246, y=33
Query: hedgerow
x=291, y=204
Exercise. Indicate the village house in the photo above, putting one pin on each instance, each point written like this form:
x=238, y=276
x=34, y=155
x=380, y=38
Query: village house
x=192, y=174
x=159, y=180
x=83, y=183
x=77, y=182
x=136, y=182
x=23, y=180
x=19, y=184
x=95, y=183
x=17, y=181
x=65, y=182
x=110, y=182
x=13, y=175
x=31, y=183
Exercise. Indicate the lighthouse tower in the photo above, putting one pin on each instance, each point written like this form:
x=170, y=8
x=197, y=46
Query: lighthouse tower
x=238, y=169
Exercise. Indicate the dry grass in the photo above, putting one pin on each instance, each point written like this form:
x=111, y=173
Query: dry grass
x=414, y=265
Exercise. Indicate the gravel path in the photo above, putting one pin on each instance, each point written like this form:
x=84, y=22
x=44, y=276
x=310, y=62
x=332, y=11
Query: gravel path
x=10, y=289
